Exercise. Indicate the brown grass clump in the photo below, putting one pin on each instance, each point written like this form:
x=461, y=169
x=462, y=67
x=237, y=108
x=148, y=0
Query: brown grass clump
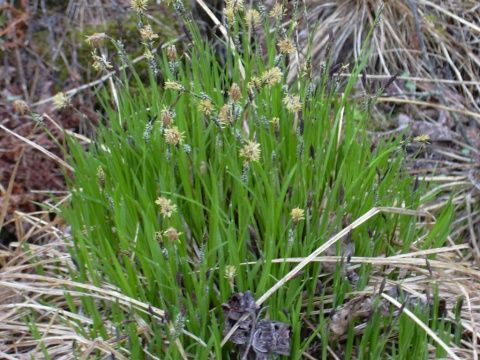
x=35, y=316
x=429, y=40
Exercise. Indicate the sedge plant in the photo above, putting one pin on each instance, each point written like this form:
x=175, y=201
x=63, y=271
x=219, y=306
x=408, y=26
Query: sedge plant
x=212, y=168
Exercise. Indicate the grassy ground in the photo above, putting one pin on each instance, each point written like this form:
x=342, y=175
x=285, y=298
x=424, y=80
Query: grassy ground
x=213, y=177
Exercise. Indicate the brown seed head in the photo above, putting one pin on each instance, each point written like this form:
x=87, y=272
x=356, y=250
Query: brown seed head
x=167, y=116
x=292, y=103
x=272, y=76
x=205, y=106
x=172, y=234
x=286, y=46
x=235, y=92
x=172, y=53
x=147, y=33
x=20, y=107
x=173, y=136
x=96, y=40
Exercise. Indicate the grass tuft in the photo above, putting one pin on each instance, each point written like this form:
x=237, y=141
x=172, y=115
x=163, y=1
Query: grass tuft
x=213, y=176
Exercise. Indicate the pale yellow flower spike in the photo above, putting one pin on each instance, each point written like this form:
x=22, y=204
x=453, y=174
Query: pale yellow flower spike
x=167, y=208
x=251, y=151
x=297, y=215
x=173, y=136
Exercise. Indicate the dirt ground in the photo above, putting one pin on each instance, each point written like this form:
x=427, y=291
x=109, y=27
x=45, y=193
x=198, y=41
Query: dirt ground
x=42, y=53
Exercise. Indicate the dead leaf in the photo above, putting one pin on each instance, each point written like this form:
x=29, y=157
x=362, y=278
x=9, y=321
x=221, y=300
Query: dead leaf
x=271, y=338
x=359, y=307
x=261, y=339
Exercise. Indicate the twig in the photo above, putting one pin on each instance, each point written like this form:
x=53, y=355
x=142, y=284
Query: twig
x=415, y=78
x=429, y=104
x=38, y=147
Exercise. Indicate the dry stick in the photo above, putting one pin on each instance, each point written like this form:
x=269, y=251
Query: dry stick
x=472, y=320
x=71, y=133
x=362, y=219
x=420, y=323
x=429, y=104
x=418, y=79
x=390, y=261
x=38, y=147
x=85, y=86
x=418, y=30
x=46, y=332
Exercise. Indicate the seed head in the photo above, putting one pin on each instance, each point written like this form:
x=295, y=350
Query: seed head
x=167, y=208
x=235, y=92
x=286, y=46
x=250, y=152
x=101, y=177
x=172, y=234
x=229, y=14
x=147, y=33
x=100, y=63
x=61, y=101
x=225, y=116
x=230, y=272
x=297, y=215
x=96, y=40
x=275, y=122
x=20, y=107
x=255, y=83
x=167, y=116
x=253, y=18
x=277, y=11
x=148, y=54
x=272, y=76
x=173, y=136
x=231, y=8
x=139, y=6
x=172, y=53
x=292, y=103
x=174, y=85
x=424, y=138
x=205, y=106
x=237, y=5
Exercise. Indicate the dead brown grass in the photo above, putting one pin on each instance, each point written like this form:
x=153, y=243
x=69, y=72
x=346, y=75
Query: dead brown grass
x=418, y=39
